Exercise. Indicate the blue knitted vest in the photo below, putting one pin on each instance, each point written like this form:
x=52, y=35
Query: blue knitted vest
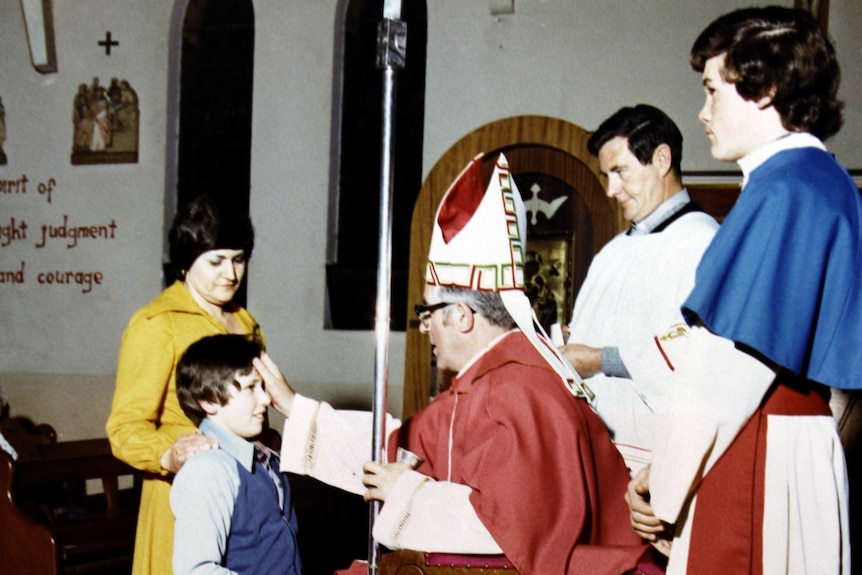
x=262, y=540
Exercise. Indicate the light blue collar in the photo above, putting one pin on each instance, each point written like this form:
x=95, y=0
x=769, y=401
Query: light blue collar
x=239, y=448
x=659, y=215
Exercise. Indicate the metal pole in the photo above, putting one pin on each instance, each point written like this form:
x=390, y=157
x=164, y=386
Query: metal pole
x=391, y=51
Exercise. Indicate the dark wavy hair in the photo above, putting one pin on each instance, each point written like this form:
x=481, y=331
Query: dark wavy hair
x=646, y=128
x=208, y=369
x=782, y=50
x=206, y=224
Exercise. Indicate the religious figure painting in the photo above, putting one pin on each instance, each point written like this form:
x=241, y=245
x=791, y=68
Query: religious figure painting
x=105, y=123
x=546, y=277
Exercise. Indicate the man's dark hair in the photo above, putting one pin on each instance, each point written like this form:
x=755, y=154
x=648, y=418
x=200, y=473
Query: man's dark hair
x=782, y=50
x=206, y=224
x=209, y=367
x=646, y=128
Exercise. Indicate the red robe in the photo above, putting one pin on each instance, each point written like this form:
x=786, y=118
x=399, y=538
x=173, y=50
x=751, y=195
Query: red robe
x=546, y=480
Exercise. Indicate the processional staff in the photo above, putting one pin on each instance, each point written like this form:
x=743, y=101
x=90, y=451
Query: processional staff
x=391, y=52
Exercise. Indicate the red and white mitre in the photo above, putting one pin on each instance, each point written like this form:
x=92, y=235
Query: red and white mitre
x=479, y=241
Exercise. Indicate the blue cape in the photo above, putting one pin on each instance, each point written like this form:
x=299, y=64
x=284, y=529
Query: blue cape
x=782, y=274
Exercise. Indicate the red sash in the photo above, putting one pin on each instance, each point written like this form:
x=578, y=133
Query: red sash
x=727, y=529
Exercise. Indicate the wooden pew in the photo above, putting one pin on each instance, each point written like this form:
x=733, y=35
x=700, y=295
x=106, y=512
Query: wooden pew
x=51, y=526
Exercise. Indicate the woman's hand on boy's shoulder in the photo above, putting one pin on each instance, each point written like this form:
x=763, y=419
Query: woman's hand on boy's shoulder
x=184, y=448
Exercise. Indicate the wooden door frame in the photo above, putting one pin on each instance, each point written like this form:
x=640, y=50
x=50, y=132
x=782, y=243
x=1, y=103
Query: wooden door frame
x=514, y=131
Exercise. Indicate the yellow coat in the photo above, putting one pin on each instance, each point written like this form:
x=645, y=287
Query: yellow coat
x=146, y=417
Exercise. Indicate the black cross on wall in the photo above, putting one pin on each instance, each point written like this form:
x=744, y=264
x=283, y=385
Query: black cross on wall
x=107, y=43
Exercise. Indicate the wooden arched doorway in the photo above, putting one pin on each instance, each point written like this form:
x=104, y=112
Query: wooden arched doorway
x=548, y=158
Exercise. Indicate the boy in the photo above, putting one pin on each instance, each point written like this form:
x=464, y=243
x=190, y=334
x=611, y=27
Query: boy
x=233, y=515
x=750, y=468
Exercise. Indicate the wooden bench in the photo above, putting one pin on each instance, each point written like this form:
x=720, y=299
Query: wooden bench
x=51, y=525
x=406, y=562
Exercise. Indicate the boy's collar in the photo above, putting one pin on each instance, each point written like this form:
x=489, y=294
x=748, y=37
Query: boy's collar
x=786, y=142
x=237, y=447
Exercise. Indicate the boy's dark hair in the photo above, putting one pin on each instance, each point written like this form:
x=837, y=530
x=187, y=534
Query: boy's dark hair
x=206, y=224
x=207, y=369
x=646, y=128
x=780, y=49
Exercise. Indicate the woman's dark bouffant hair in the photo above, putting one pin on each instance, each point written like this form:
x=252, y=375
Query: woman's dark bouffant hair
x=206, y=224
x=208, y=368
x=780, y=49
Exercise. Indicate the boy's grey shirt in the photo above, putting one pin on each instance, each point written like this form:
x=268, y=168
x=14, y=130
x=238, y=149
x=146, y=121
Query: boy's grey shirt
x=203, y=499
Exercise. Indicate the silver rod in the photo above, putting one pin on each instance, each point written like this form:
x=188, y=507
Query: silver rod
x=384, y=272
x=391, y=45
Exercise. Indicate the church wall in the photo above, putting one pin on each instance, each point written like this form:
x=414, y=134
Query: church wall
x=59, y=343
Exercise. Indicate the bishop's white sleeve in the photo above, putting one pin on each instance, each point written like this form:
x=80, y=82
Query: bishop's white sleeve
x=429, y=515
x=707, y=390
x=328, y=444
x=420, y=513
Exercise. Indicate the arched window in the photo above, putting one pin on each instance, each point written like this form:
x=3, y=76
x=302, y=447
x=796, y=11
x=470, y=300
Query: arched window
x=215, y=101
x=216, y=74
x=351, y=271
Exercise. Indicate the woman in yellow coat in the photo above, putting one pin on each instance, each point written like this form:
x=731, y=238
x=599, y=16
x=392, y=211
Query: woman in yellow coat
x=210, y=245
